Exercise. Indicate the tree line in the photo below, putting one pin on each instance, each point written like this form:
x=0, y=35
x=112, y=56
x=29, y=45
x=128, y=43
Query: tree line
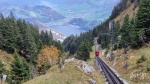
x=72, y=43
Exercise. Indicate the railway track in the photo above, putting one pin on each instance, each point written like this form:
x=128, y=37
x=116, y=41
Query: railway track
x=111, y=77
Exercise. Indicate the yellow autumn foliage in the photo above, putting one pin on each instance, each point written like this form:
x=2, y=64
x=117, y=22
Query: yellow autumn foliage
x=49, y=54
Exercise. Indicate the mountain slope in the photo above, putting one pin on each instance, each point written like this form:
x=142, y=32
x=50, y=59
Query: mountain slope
x=134, y=65
x=131, y=11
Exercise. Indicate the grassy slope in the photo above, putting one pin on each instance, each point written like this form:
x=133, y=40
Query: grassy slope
x=134, y=68
x=71, y=74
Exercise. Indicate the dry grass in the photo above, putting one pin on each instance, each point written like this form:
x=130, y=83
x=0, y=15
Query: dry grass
x=6, y=59
x=71, y=74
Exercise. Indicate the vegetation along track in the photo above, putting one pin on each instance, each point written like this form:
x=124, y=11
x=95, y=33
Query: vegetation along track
x=111, y=77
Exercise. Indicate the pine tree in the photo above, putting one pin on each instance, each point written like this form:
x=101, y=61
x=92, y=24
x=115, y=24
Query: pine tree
x=143, y=19
x=124, y=31
x=46, y=37
x=25, y=70
x=133, y=34
x=72, y=48
x=16, y=30
x=28, y=47
x=8, y=36
x=1, y=42
x=1, y=68
x=143, y=14
x=20, y=70
x=42, y=34
x=83, y=52
x=16, y=69
x=116, y=34
x=1, y=33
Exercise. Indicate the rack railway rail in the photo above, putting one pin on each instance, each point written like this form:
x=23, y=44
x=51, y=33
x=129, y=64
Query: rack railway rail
x=111, y=77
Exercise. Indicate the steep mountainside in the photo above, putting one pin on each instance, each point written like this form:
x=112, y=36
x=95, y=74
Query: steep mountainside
x=132, y=63
x=131, y=10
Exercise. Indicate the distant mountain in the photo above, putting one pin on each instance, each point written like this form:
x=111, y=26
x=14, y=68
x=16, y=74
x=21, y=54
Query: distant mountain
x=46, y=14
x=78, y=22
x=80, y=15
x=40, y=13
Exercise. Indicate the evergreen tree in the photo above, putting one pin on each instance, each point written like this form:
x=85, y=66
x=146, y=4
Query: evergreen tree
x=16, y=69
x=143, y=19
x=50, y=35
x=133, y=34
x=20, y=70
x=28, y=47
x=1, y=42
x=42, y=36
x=1, y=34
x=83, y=52
x=143, y=14
x=116, y=34
x=16, y=30
x=72, y=48
x=47, y=38
x=8, y=36
x=124, y=31
x=1, y=68
x=25, y=70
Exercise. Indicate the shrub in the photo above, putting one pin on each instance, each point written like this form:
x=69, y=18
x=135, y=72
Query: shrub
x=141, y=59
x=126, y=58
x=106, y=52
x=47, y=66
x=148, y=68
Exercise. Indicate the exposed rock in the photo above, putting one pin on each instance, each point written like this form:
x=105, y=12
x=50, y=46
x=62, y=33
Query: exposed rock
x=69, y=60
x=86, y=68
x=92, y=81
